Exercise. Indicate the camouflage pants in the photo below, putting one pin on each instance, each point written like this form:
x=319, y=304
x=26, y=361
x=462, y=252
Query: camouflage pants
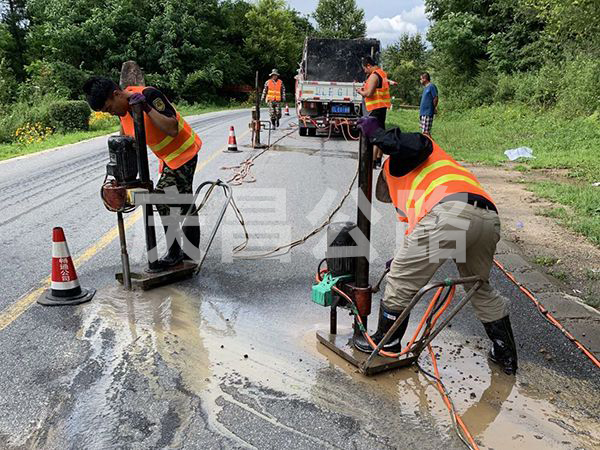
x=182, y=178
x=275, y=110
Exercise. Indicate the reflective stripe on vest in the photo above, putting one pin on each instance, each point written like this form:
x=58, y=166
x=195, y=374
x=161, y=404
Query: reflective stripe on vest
x=381, y=98
x=415, y=193
x=274, y=91
x=174, y=151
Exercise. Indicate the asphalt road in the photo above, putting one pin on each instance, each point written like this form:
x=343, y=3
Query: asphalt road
x=230, y=359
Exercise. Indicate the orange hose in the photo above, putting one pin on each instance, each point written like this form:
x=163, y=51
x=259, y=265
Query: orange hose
x=447, y=401
x=439, y=386
x=548, y=316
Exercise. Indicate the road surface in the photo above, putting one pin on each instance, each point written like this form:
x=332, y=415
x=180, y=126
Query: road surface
x=230, y=359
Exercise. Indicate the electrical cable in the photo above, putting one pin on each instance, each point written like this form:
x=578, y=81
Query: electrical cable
x=436, y=308
x=549, y=317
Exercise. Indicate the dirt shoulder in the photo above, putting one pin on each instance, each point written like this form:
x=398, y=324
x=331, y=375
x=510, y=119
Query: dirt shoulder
x=570, y=259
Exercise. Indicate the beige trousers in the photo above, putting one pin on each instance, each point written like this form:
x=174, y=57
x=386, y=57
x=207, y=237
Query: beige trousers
x=452, y=230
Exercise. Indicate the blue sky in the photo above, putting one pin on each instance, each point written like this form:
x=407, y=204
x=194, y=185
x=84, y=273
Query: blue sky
x=386, y=19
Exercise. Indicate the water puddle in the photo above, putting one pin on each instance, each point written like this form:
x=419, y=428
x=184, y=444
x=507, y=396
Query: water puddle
x=175, y=365
x=499, y=410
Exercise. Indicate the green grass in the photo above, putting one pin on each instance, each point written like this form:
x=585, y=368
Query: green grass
x=482, y=135
x=57, y=140
x=545, y=261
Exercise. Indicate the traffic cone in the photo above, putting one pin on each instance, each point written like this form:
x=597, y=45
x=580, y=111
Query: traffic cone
x=287, y=110
x=65, y=288
x=232, y=144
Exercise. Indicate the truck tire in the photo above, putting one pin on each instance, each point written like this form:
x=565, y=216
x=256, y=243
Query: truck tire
x=312, y=131
x=302, y=131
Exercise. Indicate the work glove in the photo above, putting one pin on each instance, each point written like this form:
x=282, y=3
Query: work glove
x=368, y=126
x=137, y=99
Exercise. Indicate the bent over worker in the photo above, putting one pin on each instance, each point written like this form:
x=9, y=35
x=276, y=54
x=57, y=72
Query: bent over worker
x=376, y=92
x=274, y=93
x=173, y=142
x=448, y=215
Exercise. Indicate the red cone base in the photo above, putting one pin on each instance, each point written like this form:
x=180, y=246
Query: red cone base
x=49, y=299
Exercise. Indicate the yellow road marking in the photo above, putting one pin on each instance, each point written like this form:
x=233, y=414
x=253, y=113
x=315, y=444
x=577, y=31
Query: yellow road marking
x=14, y=311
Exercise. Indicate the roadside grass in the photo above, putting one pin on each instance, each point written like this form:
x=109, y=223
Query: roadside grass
x=482, y=135
x=103, y=128
x=55, y=140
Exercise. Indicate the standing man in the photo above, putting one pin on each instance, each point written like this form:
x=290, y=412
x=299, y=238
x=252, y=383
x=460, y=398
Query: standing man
x=448, y=216
x=274, y=94
x=429, y=102
x=173, y=142
x=376, y=92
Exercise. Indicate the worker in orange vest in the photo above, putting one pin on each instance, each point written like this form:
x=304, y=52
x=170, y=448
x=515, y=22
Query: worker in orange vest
x=174, y=143
x=377, y=97
x=274, y=93
x=448, y=215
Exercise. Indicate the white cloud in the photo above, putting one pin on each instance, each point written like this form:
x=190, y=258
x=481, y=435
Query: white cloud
x=388, y=29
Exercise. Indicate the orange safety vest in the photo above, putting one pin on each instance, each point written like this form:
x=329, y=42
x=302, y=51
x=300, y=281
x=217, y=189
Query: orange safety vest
x=381, y=98
x=174, y=151
x=417, y=192
x=274, y=91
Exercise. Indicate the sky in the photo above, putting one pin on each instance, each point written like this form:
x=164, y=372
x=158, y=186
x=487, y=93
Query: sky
x=386, y=19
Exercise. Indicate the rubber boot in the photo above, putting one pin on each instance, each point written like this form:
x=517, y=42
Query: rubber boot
x=504, y=349
x=173, y=257
x=274, y=122
x=191, y=234
x=386, y=320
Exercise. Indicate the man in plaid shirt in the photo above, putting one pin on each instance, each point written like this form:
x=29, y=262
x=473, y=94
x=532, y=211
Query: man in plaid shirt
x=429, y=102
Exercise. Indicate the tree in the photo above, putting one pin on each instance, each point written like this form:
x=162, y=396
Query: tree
x=13, y=18
x=273, y=39
x=404, y=61
x=340, y=19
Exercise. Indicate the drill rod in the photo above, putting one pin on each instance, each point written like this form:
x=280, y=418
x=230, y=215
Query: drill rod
x=142, y=159
x=124, y=254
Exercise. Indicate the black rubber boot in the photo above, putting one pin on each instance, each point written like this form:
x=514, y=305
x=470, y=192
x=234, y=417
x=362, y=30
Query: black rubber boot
x=386, y=320
x=504, y=349
x=274, y=123
x=192, y=239
x=173, y=257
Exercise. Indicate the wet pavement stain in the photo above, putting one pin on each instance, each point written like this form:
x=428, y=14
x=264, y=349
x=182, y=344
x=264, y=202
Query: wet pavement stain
x=497, y=408
x=168, y=368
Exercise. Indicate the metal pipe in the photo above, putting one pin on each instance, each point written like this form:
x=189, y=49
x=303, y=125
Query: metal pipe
x=229, y=195
x=363, y=220
x=124, y=254
x=411, y=305
x=452, y=313
x=144, y=171
x=256, y=141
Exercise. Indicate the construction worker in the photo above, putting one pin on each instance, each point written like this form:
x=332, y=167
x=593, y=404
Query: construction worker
x=173, y=142
x=376, y=92
x=274, y=93
x=448, y=215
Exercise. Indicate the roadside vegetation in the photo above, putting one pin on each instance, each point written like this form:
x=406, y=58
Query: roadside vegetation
x=510, y=74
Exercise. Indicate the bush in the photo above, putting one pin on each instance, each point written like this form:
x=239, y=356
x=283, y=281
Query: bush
x=580, y=87
x=69, y=115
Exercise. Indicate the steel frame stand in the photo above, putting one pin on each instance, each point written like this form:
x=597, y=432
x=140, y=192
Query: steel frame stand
x=372, y=363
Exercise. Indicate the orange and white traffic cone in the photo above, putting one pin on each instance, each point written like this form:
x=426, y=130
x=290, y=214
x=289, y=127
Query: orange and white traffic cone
x=287, y=110
x=232, y=144
x=65, y=288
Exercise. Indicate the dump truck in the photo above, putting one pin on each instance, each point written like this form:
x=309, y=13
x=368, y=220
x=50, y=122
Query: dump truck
x=329, y=74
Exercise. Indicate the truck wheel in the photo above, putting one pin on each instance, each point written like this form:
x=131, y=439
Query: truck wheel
x=312, y=131
x=302, y=131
